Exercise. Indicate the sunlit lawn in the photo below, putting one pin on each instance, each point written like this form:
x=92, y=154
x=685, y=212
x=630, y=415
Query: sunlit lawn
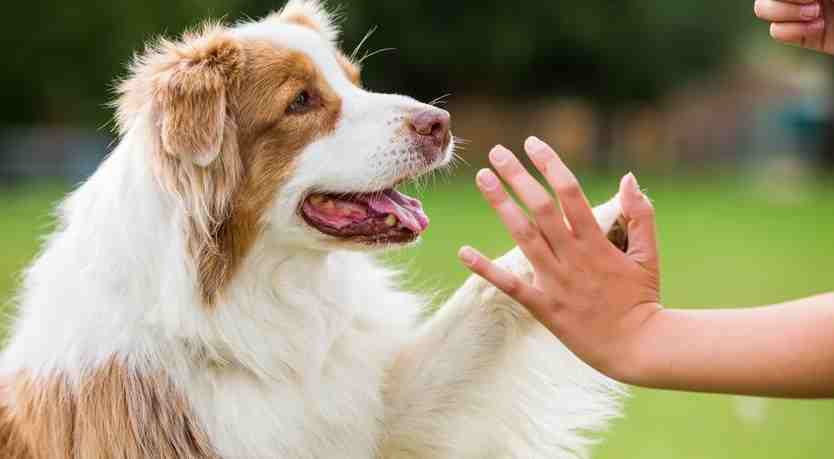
x=724, y=242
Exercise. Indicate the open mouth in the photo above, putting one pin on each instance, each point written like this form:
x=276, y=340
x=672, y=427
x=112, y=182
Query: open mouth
x=384, y=217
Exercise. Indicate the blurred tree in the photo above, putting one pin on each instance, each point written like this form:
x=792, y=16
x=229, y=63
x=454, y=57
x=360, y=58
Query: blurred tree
x=63, y=56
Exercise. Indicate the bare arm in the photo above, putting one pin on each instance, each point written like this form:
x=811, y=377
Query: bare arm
x=781, y=351
x=604, y=305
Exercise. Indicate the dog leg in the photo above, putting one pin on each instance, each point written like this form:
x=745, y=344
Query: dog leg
x=483, y=379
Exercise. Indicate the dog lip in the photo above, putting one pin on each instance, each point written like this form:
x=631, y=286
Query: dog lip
x=397, y=236
x=386, y=216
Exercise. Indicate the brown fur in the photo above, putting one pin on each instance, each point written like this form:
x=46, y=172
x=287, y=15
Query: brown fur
x=310, y=14
x=352, y=70
x=269, y=143
x=218, y=96
x=618, y=234
x=192, y=99
x=111, y=412
x=12, y=444
x=314, y=17
x=209, y=54
x=302, y=19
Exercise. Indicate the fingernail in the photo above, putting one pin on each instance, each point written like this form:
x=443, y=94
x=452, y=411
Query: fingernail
x=499, y=155
x=634, y=182
x=487, y=179
x=467, y=256
x=534, y=143
x=629, y=183
x=810, y=11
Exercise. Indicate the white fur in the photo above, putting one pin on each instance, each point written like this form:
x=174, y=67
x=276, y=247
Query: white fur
x=317, y=14
x=314, y=351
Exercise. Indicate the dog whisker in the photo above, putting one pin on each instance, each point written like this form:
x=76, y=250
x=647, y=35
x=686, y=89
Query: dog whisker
x=362, y=42
x=374, y=53
x=440, y=100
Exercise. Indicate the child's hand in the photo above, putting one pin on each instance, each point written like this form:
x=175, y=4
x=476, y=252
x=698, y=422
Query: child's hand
x=806, y=23
x=586, y=291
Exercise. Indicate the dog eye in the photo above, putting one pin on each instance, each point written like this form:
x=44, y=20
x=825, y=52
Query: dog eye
x=301, y=103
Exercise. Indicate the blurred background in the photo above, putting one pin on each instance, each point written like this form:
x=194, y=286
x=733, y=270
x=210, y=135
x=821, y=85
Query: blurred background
x=730, y=133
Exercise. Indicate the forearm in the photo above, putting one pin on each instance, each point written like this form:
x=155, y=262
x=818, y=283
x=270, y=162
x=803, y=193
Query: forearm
x=457, y=352
x=781, y=351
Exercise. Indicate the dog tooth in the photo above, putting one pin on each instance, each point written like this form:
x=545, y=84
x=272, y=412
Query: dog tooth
x=391, y=220
x=316, y=200
x=344, y=210
x=328, y=205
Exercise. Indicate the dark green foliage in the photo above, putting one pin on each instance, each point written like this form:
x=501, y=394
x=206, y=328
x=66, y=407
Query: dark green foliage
x=63, y=56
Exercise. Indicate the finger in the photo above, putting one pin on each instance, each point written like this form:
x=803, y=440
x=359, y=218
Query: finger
x=502, y=279
x=523, y=231
x=574, y=203
x=797, y=33
x=640, y=216
x=542, y=205
x=780, y=11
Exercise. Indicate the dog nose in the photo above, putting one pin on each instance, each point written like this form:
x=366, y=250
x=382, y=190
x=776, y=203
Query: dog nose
x=431, y=126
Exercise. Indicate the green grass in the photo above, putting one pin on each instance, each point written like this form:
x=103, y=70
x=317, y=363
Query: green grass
x=725, y=242
x=26, y=216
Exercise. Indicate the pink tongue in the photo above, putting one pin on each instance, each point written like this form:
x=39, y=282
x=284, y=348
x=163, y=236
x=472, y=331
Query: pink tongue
x=408, y=210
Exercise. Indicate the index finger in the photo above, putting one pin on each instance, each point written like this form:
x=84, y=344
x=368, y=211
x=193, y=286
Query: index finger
x=574, y=203
x=541, y=204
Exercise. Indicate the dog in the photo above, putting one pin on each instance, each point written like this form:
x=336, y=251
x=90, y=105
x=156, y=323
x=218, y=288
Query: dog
x=212, y=292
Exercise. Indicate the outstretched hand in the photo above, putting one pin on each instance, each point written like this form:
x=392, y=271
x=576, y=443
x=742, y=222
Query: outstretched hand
x=587, y=292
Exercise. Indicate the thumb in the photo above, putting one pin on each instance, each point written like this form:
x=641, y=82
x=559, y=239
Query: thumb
x=640, y=218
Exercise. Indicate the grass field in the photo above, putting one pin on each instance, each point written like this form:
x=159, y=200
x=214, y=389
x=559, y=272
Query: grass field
x=725, y=242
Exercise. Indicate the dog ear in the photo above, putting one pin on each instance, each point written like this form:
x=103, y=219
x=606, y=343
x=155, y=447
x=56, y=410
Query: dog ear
x=192, y=95
x=311, y=14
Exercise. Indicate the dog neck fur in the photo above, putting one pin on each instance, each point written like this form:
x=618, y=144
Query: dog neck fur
x=140, y=284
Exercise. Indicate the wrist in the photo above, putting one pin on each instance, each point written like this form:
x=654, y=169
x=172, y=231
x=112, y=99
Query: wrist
x=638, y=355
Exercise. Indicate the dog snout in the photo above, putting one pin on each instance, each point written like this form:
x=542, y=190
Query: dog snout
x=431, y=129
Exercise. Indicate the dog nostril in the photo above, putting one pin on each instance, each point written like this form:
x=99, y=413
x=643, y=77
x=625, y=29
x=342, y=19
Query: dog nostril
x=439, y=130
x=431, y=123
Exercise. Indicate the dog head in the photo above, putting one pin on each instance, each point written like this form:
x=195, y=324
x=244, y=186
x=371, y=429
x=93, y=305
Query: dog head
x=264, y=131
